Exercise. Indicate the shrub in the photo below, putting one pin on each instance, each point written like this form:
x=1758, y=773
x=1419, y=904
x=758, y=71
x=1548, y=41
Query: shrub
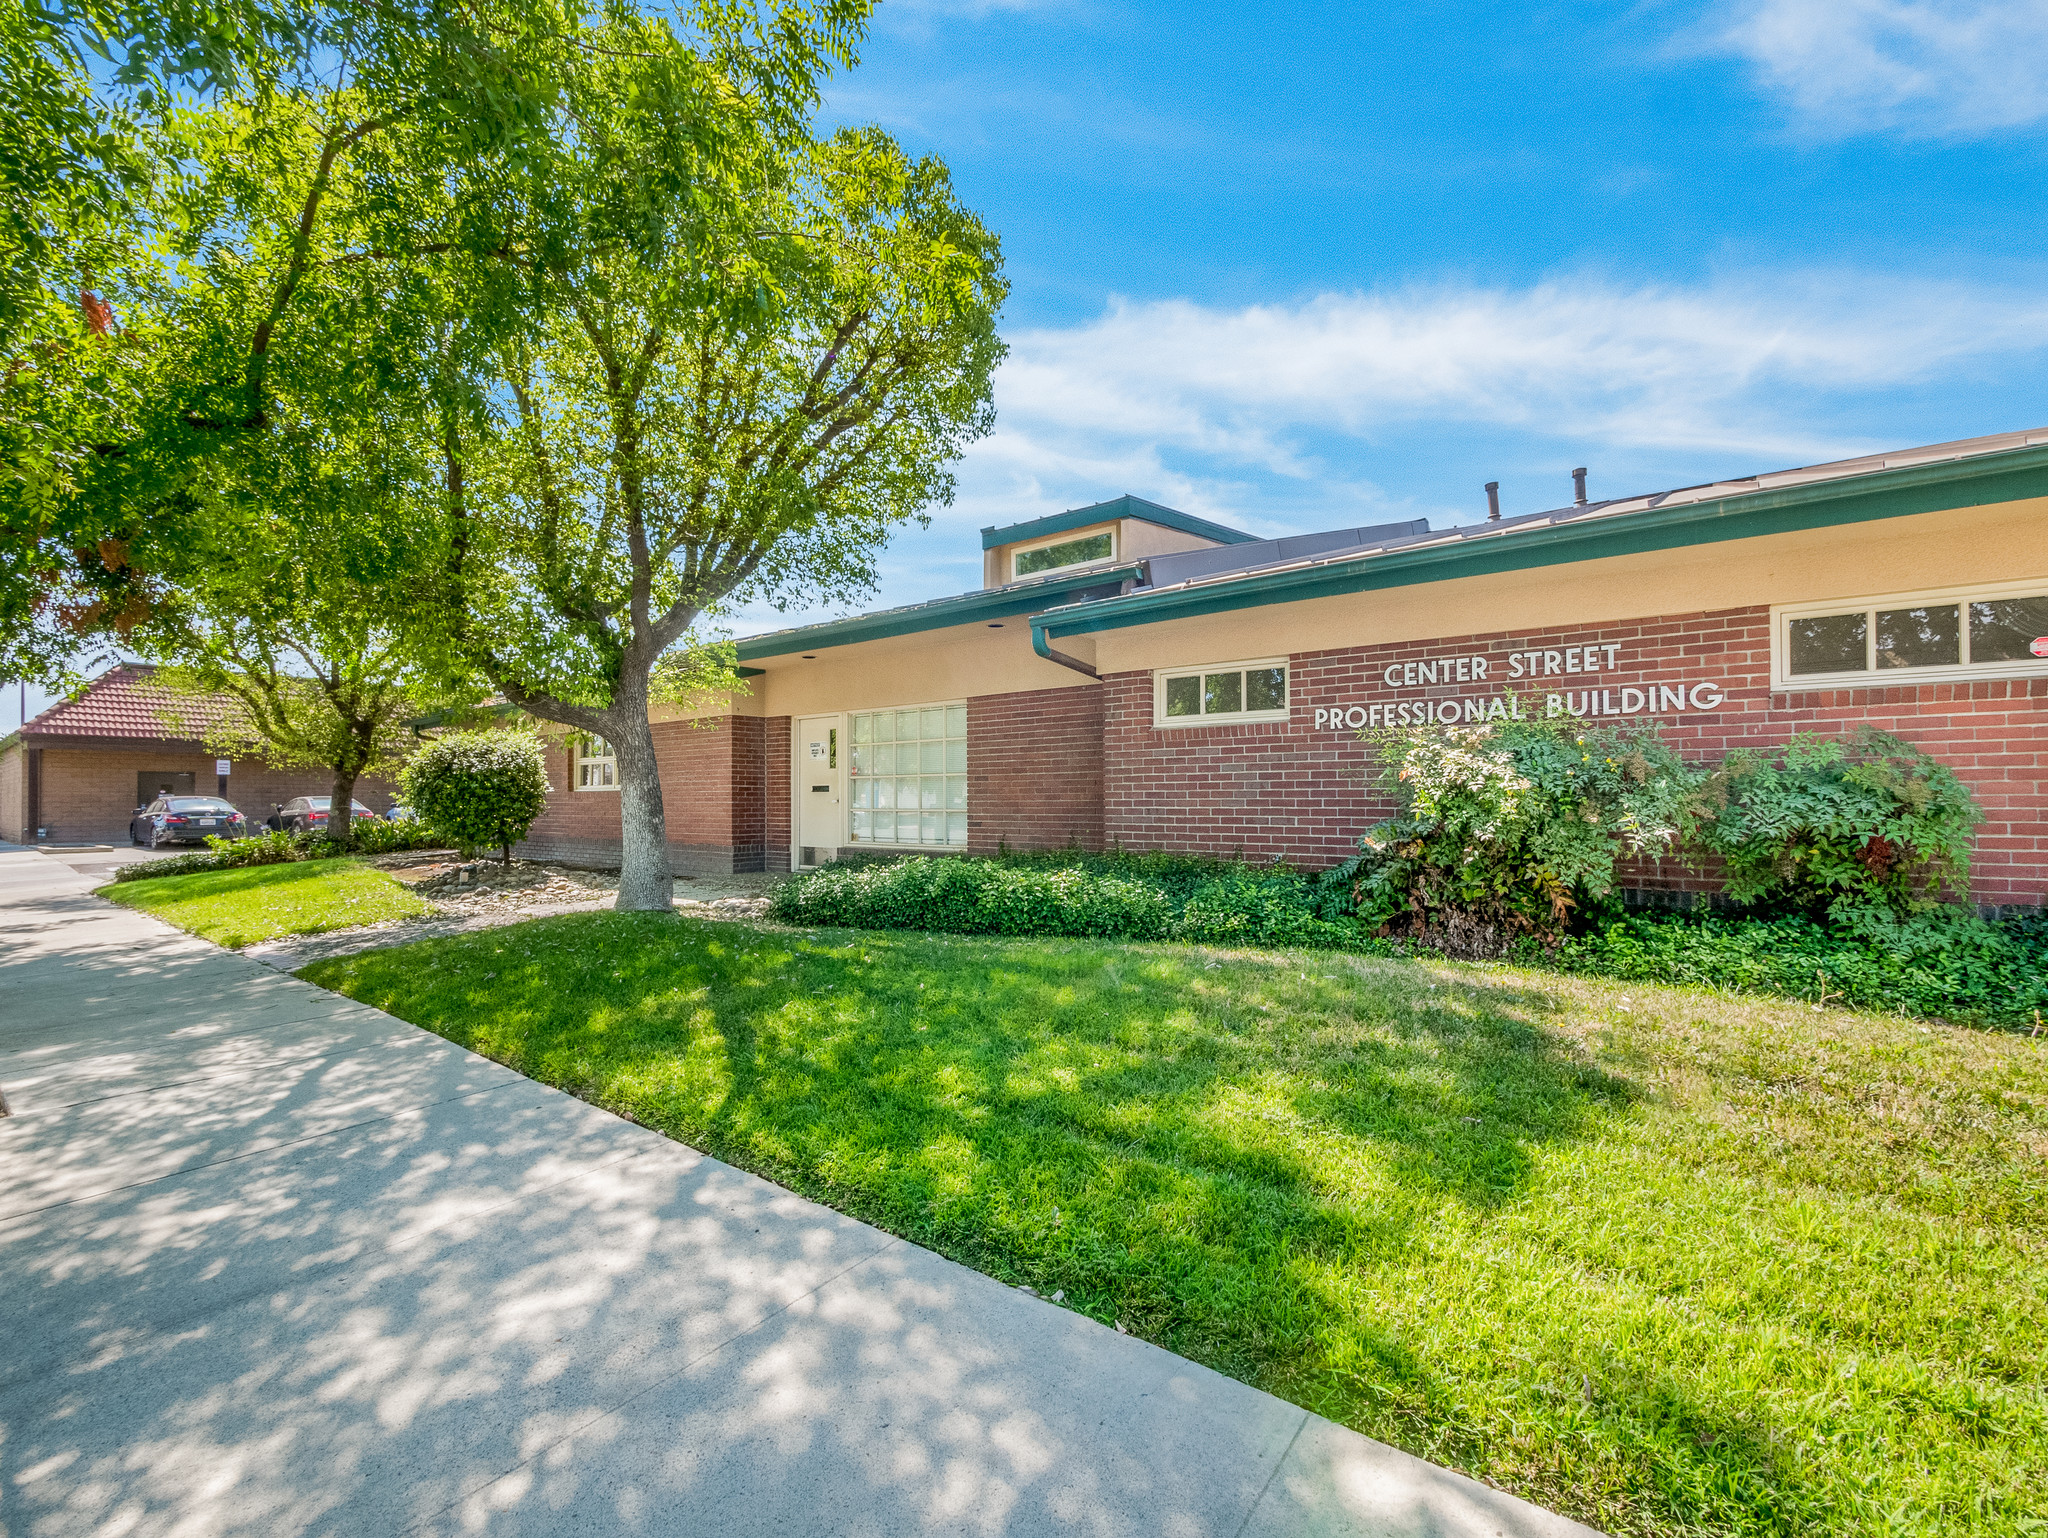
x=365, y=837
x=1106, y=897
x=479, y=789
x=382, y=837
x=1864, y=831
x=1507, y=828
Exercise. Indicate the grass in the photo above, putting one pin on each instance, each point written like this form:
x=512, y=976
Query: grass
x=1664, y=1261
x=260, y=902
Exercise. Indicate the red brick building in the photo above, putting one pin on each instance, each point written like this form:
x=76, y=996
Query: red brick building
x=76, y=773
x=1134, y=676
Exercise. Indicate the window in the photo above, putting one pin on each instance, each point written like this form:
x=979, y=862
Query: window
x=1988, y=632
x=910, y=776
x=1236, y=691
x=1071, y=552
x=597, y=766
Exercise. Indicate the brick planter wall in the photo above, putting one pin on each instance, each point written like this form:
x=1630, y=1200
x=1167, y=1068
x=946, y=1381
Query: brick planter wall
x=1035, y=770
x=1290, y=791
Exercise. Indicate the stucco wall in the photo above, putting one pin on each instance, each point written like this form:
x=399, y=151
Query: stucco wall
x=14, y=796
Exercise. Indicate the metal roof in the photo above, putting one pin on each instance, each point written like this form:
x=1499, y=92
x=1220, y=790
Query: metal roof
x=1900, y=482
x=1125, y=506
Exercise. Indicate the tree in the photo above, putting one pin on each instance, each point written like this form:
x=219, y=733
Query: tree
x=671, y=450
x=298, y=601
x=479, y=788
x=174, y=213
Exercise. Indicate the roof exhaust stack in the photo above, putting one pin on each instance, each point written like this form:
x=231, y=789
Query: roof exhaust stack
x=1493, y=501
x=1579, y=487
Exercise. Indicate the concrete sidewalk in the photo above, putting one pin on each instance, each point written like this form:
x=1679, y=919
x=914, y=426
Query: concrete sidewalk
x=273, y=1262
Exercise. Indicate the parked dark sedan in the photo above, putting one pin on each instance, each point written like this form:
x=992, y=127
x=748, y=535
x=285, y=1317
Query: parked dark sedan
x=308, y=814
x=185, y=820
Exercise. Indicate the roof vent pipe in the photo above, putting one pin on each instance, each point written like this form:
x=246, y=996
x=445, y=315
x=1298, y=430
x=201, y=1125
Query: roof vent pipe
x=1579, y=487
x=1493, y=501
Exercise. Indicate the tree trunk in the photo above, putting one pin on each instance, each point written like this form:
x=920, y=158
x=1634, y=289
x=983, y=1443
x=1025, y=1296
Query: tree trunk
x=646, y=885
x=341, y=807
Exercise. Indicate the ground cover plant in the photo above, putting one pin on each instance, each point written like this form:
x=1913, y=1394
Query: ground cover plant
x=1941, y=963
x=1667, y=1262
x=1945, y=964
x=241, y=906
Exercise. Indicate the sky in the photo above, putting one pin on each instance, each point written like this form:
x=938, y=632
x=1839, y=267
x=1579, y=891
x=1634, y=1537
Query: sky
x=1295, y=267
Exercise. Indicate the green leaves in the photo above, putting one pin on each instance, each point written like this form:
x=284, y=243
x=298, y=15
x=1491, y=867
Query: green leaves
x=1507, y=829
x=1865, y=830
x=480, y=789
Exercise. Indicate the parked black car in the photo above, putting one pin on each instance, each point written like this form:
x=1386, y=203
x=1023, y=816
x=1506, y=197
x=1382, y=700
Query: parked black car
x=308, y=814
x=185, y=820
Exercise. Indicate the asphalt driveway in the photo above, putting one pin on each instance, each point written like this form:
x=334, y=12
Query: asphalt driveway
x=273, y=1262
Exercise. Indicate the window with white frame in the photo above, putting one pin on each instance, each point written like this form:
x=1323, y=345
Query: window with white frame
x=1081, y=551
x=597, y=765
x=1221, y=692
x=909, y=773
x=1997, y=630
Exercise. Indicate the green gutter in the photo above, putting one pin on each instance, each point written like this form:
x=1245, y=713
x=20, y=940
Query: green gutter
x=966, y=609
x=2006, y=477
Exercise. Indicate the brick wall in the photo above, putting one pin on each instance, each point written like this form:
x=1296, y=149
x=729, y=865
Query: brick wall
x=718, y=792
x=1034, y=770
x=88, y=792
x=1292, y=791
x=775, y=793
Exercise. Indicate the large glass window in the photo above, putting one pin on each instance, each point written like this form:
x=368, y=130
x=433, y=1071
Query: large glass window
x=910, y=776
x=1950, y=634
x=1072, y=552
x=1239, y=692
x=597, y=765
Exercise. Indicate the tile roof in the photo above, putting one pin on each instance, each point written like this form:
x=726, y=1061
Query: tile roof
x=125, y=701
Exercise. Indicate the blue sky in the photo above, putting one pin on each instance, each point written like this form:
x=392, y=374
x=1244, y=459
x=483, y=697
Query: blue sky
x=1293, y=266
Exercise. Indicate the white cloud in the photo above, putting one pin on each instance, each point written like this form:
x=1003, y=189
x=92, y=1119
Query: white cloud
x=1583, y=360
x=1926, y=68
x=1341, y=409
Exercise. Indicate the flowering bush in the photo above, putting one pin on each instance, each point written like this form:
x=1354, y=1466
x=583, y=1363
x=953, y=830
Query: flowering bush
x=1507, y=828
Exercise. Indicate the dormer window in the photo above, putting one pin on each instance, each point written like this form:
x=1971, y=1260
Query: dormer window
x=1033, y=559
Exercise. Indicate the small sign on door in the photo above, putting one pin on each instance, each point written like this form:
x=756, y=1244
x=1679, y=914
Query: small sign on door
x=817, y=750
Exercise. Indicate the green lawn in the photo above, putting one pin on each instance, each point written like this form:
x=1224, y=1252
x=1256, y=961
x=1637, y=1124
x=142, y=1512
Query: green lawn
x=261, y=902
x=1667, y=1262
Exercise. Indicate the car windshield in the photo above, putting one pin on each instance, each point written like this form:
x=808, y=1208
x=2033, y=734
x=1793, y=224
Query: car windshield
x=322, y=803
x=196, y=804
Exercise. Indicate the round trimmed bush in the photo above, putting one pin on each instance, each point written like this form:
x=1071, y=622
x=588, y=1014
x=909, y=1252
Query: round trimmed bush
x=479, y=789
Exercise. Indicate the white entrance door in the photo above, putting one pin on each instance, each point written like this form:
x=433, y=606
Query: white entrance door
x=820, y=774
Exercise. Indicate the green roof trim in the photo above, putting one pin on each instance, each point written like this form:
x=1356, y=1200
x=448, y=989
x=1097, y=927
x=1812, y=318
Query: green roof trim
x=996, y=603
x=1104, y=512
x=1976, y=482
